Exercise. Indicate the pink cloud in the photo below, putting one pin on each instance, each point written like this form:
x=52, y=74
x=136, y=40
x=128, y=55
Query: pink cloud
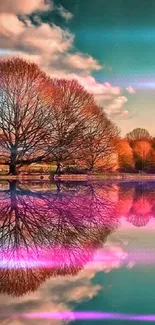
x=23, y=7
x=81, y=61
x=10, y=26
x=52, y=48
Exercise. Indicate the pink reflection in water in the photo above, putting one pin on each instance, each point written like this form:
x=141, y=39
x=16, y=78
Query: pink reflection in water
x=67, y=315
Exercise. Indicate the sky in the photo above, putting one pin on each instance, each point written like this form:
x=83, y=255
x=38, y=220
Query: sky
x=108, y=46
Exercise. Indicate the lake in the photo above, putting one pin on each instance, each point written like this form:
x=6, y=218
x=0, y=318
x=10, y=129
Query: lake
x=77, y=253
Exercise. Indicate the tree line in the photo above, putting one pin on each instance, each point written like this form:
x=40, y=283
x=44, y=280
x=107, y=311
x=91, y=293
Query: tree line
x=51, y=120
x=136, y=152
x=45, y=119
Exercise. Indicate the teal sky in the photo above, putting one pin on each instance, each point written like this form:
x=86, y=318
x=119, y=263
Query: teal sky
x=119, y=35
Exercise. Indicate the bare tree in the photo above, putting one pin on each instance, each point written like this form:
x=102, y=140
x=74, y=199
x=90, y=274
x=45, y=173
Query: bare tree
x=24, y=114
x=71, y=106
x=138, y=134
x=98, y=141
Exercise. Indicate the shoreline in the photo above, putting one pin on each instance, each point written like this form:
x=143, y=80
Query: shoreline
x=102, y=177
x=80, y=177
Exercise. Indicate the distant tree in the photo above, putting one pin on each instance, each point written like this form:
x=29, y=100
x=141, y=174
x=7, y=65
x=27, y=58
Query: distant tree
x=24, y=115
x=141, y=210
x=125, y=155
x=151, y=161
x=140, y=141
x=136, y=203
x=153, y=143
x=138, y=134
x=142, y=151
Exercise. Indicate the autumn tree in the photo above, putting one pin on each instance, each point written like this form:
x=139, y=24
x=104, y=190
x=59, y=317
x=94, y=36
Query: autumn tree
x=71, y=106
x=138, y=134
x=125, y=155
x=142, y=151
x=80, y=130
x=98, y=142
x=140, y=141
x=151, y=158
x=24, y=114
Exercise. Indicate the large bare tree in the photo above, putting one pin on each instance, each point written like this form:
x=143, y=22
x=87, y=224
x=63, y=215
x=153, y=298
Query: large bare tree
x=71, y=106
x=80, y=130
x=24, y=114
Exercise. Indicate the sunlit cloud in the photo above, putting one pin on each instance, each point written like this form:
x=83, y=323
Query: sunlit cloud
x=52, y=48
x=24, y=7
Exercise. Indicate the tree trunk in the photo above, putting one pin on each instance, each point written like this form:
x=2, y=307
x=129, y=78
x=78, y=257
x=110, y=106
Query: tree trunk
x=13, y=165
x=12, y=169
x=13, y=186
x=91, y=168
x=58, y=170
x=58, y=185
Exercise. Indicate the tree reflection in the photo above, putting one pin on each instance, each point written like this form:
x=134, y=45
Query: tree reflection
x=136, y=203
x=51, y=233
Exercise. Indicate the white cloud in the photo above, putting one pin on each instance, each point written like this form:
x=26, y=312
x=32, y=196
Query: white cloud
x=67, y=15
x=46, y=39
x=23, y=7
x=80, y=61
x=130, y=90
x=10, y=26
x=116, y=106
x=52, y=48
x=43, y=40
x=107, y=95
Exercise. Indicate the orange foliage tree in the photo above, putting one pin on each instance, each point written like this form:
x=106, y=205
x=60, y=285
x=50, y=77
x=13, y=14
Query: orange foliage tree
x=125, y=155
x=142, y=150
x=140, y=141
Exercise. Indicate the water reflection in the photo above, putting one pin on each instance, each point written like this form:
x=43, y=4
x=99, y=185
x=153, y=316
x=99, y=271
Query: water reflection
x=51, y=233
x=136, y=203
x=51, y=230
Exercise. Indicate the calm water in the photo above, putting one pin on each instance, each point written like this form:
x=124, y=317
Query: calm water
x=76, y=253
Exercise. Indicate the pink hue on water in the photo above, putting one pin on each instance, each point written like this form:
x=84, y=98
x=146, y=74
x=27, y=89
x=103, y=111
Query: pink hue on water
x=57, y=257
x=68, y=315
